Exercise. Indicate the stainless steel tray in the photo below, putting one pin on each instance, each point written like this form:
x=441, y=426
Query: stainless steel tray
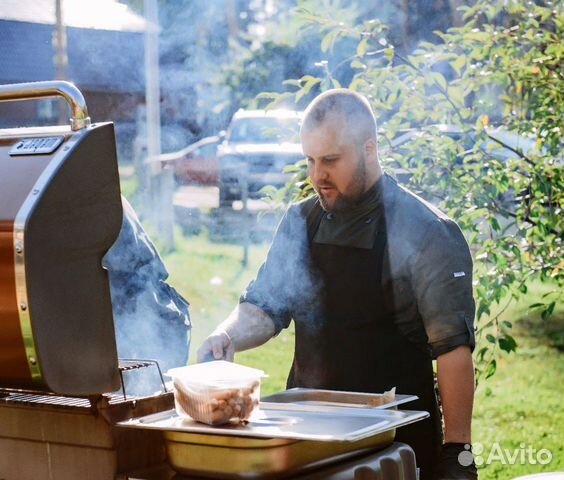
x=317, y=397
x=297, y=422
x=280, y=439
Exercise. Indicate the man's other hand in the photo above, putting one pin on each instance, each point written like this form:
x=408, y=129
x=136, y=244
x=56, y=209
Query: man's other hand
x=218, y=346
x=456, y=463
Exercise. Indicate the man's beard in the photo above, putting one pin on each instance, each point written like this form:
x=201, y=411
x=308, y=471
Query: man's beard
x=346, y=201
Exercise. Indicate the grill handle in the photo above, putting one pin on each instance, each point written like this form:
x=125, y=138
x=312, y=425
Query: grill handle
x=67, y=90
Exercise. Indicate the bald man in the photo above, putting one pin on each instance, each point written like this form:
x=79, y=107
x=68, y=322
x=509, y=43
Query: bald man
x=378, y=284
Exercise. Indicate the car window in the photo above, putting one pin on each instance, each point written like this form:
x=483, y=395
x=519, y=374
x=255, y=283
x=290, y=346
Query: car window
x=264, y=130
x=208, y=150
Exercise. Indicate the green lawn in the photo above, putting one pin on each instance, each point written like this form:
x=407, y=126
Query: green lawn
x=521, y=407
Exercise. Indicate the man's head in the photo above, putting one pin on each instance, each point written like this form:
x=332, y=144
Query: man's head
x=339, y=141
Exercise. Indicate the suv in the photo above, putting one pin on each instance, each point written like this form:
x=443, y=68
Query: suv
x=257, y=146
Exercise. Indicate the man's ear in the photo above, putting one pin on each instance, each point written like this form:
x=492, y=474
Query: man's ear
x=371, y=148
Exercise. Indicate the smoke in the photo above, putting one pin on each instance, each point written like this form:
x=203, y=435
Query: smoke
x=286, y=286
x=151, y=319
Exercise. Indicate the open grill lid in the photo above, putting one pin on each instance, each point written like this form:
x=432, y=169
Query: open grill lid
x=60, y=211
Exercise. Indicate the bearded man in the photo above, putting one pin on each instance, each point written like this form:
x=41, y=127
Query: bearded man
x=378, y=283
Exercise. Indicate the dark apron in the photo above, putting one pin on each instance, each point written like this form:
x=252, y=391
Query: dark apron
x=346, y=339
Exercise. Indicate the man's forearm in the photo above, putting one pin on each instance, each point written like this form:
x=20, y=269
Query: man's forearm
x=248, y=326
x=456, y=389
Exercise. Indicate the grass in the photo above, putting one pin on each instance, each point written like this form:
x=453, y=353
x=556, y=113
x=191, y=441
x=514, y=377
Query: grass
x=521, y=406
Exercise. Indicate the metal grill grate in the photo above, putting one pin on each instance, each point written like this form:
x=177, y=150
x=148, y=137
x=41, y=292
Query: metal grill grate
x=30, y=398
x=128, y=364
x=22, y=397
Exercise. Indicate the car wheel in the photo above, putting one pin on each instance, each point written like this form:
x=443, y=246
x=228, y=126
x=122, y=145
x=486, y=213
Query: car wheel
x=225, y=199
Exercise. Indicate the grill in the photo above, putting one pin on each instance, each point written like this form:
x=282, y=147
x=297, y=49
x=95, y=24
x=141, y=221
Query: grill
x=65, y=408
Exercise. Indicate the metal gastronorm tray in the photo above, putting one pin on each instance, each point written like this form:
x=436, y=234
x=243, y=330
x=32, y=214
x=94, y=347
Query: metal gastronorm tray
x=280, y=439
x=303, y=422
x=317, y=397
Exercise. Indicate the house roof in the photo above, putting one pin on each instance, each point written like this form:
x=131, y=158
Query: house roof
x=99, y=14
x=106, y=60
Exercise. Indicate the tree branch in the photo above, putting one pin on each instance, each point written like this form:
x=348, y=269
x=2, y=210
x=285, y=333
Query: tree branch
x=515, y=151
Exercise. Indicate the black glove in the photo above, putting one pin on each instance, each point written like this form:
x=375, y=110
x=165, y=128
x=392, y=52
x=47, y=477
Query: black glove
x=456, y=463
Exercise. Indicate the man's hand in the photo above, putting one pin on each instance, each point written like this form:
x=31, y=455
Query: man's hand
x=456, y=463
x=247, y=326
x=218, y=346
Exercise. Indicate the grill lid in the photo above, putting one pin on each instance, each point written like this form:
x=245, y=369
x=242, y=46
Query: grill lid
x=60, y=211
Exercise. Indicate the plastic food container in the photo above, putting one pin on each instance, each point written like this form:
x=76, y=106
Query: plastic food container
x=216, y=392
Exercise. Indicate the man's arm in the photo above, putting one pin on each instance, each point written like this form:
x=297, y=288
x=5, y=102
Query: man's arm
x=247, y=326
x=455, y=372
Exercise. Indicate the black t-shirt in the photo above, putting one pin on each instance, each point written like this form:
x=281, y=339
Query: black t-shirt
x=429, y=263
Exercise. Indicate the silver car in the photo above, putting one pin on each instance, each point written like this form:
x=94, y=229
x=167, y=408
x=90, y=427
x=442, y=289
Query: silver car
x=258, y=145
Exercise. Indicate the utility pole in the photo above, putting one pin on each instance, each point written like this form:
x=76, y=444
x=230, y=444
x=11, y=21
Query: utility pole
x=160, y=201
x=61, y=58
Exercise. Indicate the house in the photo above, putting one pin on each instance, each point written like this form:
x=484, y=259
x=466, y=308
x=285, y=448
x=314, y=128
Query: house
x=105, y=50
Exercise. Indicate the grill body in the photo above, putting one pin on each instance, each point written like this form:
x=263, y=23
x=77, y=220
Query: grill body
x=46, y=437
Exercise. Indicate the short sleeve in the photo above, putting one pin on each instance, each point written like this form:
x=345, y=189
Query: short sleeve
x=442, y=281
x=284, y=271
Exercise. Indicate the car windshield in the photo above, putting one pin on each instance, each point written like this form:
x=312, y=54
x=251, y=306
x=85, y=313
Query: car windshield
x=265, y=130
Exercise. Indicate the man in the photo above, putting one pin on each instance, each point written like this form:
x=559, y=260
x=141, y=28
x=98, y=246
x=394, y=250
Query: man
x=377, y=281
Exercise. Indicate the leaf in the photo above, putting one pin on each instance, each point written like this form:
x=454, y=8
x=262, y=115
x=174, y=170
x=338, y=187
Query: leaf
x=483, y=308
x=495, y=224
x=329, y=40
x=547, y=312
x=335, y=82
x=358, y=64
x=361, y=47
x=481, y=353
x=306, y=15
x=440, y=80
x=389, y=53
x=310, y=82
x=268, y=96
x=459, y=63
x=507, y=344
x=293, y=82
x=491, y=368
x=457, y=95
x=308, y=78
x=490, y=338
x=536, y=305
x=278, y=99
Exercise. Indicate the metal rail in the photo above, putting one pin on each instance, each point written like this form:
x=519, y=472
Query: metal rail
x=36, y=90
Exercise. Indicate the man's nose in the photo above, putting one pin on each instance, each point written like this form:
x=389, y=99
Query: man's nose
x=316, y=173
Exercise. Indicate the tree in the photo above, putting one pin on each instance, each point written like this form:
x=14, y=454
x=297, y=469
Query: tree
x=502, y=66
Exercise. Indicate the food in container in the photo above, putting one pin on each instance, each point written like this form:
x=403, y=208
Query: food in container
x=216, y=392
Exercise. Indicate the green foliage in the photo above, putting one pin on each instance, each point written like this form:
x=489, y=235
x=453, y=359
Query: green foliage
x=505, y=188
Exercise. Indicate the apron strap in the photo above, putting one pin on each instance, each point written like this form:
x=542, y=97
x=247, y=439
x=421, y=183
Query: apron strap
x=313, y=215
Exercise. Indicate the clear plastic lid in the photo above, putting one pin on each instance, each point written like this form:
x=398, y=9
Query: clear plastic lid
x=216, y=392
x=218, y=373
